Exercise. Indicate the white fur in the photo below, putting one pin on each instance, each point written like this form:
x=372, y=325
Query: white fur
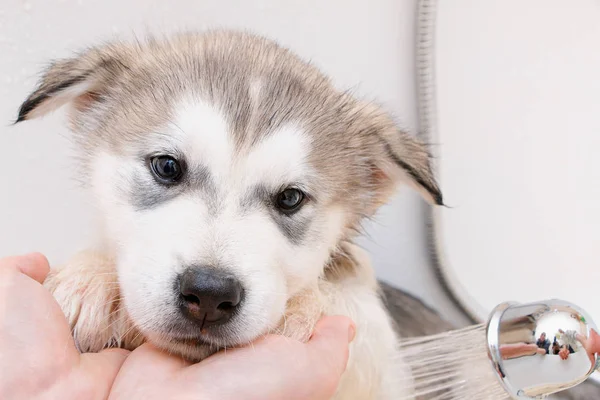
x=281, y=158
x=375, y=369
x=204, y=133
x=155, y=245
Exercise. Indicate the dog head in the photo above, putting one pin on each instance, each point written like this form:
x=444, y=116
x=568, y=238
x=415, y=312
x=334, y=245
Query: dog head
x=228, y=171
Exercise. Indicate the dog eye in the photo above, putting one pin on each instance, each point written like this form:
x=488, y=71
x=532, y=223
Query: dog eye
x=166, y=168
x=290, y=200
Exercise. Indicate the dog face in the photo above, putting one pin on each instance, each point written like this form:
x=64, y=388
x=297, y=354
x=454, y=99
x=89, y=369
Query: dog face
x=228, y=171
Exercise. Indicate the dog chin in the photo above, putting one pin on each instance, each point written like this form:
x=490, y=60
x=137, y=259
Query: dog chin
x=193, y=349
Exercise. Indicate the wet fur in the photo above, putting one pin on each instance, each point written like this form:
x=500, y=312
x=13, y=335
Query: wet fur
x=125, y=97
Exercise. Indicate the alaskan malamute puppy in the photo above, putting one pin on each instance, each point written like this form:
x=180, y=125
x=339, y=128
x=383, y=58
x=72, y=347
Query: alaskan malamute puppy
x=232, y=178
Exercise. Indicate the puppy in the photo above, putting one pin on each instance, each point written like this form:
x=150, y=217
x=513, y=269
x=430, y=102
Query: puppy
x=233, y=178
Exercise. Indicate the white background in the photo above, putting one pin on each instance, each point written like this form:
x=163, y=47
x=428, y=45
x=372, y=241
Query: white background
x=518, y=87
x=368, y=45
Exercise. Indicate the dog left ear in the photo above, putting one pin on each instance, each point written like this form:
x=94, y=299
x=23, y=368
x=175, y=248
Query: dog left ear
x=407, y=160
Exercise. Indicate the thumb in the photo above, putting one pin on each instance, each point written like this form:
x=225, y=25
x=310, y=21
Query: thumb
x=34, y=265
x=330, y=340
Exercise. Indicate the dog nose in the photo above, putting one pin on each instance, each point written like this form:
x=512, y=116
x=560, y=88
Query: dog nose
x=209, y=296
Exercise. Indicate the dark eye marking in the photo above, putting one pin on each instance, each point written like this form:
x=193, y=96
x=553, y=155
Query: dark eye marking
x=166, y=169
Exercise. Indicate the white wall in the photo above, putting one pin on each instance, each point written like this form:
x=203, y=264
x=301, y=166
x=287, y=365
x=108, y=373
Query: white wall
x=364, y=44
x=519, y=131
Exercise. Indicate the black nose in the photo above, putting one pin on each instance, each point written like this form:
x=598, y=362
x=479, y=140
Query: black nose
x=209, y=296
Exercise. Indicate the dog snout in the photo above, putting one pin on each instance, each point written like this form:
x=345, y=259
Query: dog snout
x=209, y=296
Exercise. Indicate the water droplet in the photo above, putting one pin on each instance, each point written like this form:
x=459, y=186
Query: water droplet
x=8, y=79
x=27, y=7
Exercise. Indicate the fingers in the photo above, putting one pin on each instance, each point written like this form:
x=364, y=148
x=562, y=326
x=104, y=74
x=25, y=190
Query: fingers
x=593, y=342
x=99, y=370
x=148, y=373
x=106, y=363
x=272, y=368
x=334, y=327
x=330, y=341
x=280, y=368
x=150, y=356
x=34, y=265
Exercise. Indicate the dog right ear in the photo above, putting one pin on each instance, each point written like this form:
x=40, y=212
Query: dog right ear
x=78, y=80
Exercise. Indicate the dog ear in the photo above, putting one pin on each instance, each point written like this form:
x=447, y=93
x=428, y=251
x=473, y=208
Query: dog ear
x=77, y=80
x=397, y=157
x=408, y=160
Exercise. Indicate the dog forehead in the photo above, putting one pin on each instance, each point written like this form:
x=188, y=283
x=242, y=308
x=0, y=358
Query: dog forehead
x=281, y=157
x=203, y=131
x=271, y=159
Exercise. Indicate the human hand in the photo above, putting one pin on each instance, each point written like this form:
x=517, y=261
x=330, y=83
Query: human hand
x=517, y=350
x=38, y=358
x=34, y=331
x=594, y=342
x=591, y=344
x=274, y=367
x=564, y=353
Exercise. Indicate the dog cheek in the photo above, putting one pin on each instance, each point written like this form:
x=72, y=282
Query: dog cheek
x=144, y=281
x=263, y=309
x=308, y=259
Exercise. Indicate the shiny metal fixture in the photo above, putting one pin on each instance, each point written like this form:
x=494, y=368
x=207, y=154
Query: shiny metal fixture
x=540, y=348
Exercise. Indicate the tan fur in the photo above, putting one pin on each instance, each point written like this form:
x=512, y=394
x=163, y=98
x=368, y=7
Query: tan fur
x=88, y=291
x=121, y=92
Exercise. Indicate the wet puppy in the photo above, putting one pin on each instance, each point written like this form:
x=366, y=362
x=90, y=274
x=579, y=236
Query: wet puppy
x=232, y=178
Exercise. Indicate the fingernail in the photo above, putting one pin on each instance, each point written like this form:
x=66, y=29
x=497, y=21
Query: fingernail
x=351, y=333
